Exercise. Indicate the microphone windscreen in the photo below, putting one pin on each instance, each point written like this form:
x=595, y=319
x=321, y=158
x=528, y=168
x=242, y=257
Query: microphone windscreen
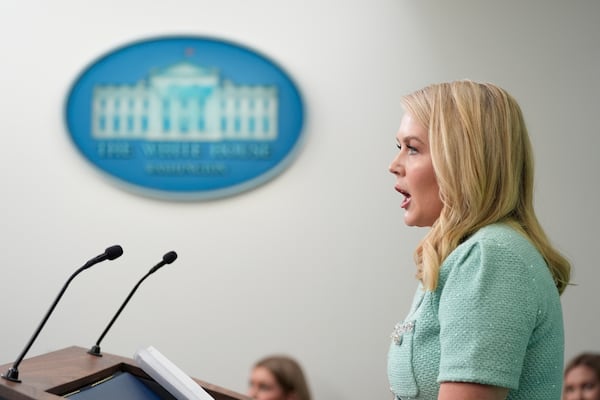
x=113, y=252
x=170, y=257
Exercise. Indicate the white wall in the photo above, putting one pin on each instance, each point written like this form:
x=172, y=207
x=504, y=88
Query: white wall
x=316, y=263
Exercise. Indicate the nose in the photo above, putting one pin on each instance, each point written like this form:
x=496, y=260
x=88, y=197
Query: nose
x=252, y=391
x=574, y=395
x=396, y=166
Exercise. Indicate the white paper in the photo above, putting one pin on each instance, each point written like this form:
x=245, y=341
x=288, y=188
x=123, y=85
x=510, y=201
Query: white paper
x=169, y=376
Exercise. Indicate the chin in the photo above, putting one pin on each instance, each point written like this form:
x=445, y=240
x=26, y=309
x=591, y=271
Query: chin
x=409, y=222
x=417, y=223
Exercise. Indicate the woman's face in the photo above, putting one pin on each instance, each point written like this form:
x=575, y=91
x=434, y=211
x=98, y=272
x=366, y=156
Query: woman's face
x=581, y=383
x=415, y=178
x=264, y=386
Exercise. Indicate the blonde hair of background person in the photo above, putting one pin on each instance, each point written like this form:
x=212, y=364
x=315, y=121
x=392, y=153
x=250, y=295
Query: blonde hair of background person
x=477, y=187
x=278, y=377
x=487, y=321
x=582, y=378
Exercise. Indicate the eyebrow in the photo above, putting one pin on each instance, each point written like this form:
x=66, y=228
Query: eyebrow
x=409, y=138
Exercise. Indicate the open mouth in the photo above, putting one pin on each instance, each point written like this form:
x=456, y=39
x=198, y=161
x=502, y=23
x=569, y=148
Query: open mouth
x=406, y=195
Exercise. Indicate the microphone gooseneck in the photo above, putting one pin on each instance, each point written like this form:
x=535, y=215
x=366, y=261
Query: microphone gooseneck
x=109, y=254
x=168, y=258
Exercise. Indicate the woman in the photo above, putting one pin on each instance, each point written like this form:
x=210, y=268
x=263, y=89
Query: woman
x=278, y=378
x=582, y=378
x=486, y=320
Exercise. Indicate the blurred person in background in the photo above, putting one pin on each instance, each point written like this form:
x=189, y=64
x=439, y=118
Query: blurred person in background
x=278, y=377
x=582, y=378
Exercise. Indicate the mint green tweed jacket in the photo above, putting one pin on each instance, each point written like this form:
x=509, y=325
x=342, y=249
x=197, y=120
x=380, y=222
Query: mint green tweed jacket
x=495, y=318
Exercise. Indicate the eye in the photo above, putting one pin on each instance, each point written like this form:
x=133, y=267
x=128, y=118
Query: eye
x=263, y=387
x=399, y=146
x=412, y=150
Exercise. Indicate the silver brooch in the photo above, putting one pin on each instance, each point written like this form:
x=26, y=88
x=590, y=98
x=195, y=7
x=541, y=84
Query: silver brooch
x=399, y=329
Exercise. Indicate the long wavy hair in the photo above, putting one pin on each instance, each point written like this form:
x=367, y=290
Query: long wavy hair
x=288, y=374
x=483, y=161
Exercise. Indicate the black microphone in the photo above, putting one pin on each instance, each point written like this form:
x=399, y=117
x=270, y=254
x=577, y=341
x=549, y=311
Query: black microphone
x=167, y=259
x=109, y=254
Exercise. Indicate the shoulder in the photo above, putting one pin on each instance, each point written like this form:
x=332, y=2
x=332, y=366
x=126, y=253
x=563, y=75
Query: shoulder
x=499, y=235
x=496, y=244
x=497, y=256
x=499, y=263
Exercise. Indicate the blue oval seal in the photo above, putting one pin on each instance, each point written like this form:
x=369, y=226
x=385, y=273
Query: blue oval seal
x=185, y=117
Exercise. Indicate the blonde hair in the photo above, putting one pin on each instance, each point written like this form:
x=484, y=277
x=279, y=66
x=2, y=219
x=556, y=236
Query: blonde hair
x=483, y=162
x=288, y=374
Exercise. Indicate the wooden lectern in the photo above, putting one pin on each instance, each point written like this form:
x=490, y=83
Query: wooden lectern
x=53, y=375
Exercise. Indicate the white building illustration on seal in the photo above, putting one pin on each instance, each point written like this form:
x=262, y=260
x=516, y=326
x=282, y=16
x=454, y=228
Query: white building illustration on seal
x=185, y=102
